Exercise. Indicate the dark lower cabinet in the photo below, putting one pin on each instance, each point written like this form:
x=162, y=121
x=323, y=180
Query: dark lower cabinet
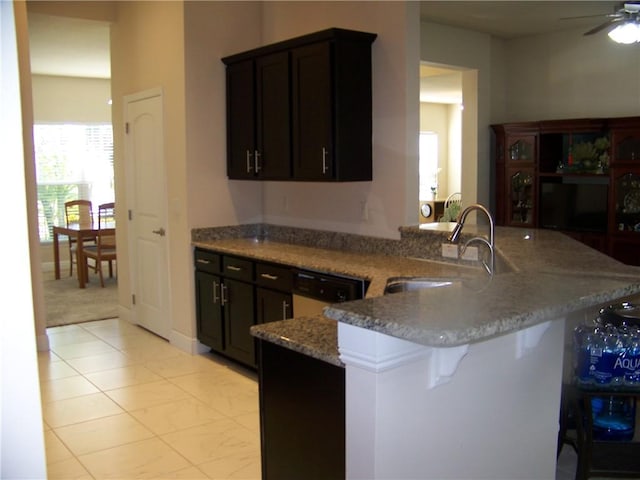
x=272, y=306
x=209, y=311
x=232, y=294
x=239, y=314
x=302, y=415
x=225, y=305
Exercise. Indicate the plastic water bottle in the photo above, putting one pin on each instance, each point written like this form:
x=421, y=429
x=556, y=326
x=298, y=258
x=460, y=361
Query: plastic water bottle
x=582, y=339
x=599, y=368
x=613, y=356
x=613, y=417
x=632, y=372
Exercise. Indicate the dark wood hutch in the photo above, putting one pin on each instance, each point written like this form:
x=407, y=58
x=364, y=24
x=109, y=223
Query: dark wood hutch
x=579, y=176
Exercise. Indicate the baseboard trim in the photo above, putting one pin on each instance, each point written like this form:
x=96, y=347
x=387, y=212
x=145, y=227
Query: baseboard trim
x=42, y=343
x=124, y=313
x=187, y=344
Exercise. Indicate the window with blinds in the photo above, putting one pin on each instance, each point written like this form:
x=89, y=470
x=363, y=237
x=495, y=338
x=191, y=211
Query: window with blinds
x=73, y=161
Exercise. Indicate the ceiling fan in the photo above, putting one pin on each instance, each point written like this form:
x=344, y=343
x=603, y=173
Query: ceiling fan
x=623, y=25
x=627, y=13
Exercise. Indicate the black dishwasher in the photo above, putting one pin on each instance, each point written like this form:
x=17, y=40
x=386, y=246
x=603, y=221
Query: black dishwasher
x=312, y=291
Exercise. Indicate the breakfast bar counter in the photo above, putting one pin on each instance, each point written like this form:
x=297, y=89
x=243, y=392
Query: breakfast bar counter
x=456, y=382
x=544, y=275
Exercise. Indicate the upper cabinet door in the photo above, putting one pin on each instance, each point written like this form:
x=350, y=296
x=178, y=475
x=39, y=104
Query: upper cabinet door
x=521, y=148
x=241, y=144
x=312, y=113
x=258, y=116
x=626, y=146
x=301, y=109
x=273, y=152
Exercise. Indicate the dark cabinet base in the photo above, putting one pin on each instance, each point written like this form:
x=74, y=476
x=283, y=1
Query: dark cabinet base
x=302, y=416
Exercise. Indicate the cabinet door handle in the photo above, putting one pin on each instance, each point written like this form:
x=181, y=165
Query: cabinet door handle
x=203, y=261
x=223, y=294
x=257, y=157
x=215, y=295
x=285, y=309
x=249, y=166
x=233, y=268
x=324, y=160
x=269, y=276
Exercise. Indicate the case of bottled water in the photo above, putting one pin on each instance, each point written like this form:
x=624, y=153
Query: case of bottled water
x=607, y=358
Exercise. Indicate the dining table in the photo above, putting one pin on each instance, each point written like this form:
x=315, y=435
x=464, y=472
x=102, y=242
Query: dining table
x=80, y=234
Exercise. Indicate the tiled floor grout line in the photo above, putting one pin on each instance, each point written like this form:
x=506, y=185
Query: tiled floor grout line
x=143, y=362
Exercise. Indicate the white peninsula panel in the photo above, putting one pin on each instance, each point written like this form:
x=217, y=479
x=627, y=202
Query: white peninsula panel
x=483, y=410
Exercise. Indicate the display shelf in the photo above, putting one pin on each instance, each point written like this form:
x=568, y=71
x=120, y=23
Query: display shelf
x=584, y=152
x=597, y=457
x=578, y=180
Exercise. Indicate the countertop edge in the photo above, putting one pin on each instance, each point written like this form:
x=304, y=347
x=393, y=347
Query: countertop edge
x=566, y=274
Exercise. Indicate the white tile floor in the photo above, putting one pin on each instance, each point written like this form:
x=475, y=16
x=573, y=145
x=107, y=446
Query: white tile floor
x=119, y=402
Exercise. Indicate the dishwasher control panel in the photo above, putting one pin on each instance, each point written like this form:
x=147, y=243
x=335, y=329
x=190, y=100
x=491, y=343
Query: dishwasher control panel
x=329, y=288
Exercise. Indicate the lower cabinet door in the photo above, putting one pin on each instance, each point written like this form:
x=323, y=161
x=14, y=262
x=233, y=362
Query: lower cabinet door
x=302, y=416
x=209, y=310
x=272, y=306
x=239, y=316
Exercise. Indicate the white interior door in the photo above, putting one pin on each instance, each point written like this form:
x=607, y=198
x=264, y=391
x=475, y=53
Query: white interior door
x=146, y=190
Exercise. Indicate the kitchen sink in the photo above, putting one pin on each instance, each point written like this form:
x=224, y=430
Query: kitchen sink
x=407, y=284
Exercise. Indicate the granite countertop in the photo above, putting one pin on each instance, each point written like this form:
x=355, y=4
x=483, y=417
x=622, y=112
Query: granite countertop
x=544, y=275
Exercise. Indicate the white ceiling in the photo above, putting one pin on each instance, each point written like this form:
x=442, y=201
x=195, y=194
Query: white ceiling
x=512, y=19
x=502, y=19
x=74, y=47
x=69, y=46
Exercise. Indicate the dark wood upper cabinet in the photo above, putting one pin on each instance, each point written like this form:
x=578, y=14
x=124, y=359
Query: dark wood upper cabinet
x=241, y=121
x=273, y=117
x=301, y=109
x=312, y=112
x=258, y=118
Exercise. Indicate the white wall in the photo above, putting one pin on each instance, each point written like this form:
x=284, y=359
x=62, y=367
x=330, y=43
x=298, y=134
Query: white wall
x=454, y=140
x=434, y=117
x=390, y=199
x=22, y=452
x=569, y=75
x=70, y=99
x=470, y=51
x=214, y=30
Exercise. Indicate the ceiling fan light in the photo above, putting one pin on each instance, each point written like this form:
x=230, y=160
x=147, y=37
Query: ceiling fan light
x=626, y=33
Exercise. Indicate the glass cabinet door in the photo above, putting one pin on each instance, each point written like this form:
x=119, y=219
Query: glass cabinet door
x=626, y=146
x=627, y=202
x=521, y=199
x=521, y=148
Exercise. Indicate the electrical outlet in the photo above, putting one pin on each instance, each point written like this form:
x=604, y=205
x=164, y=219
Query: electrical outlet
x=450, y=250
x=471, y=254
x=364, y=210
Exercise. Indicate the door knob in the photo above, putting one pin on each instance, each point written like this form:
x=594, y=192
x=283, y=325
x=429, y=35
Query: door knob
x=160, y=232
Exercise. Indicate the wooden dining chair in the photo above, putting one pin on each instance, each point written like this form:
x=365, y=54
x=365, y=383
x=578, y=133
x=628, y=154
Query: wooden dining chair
x=78, y=214
x=107, y=215
x=103, y=251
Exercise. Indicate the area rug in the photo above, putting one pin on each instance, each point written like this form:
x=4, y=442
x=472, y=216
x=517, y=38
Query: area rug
x=67, y=304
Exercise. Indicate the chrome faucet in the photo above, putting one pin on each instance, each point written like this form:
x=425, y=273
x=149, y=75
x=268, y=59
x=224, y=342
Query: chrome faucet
x=455, y=236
